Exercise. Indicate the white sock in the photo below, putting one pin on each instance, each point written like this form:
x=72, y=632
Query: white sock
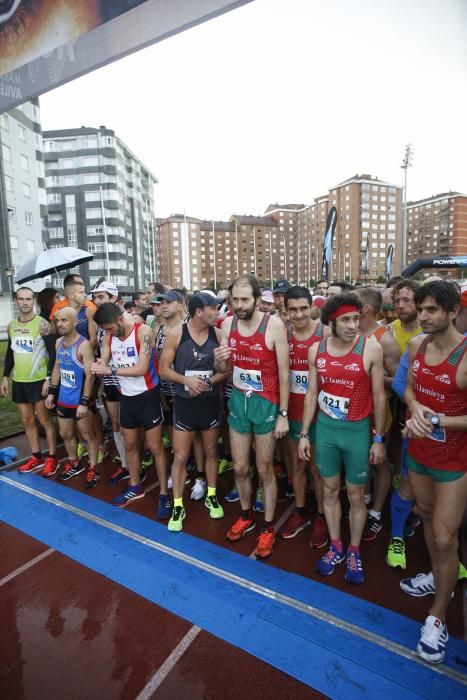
x=119, y=444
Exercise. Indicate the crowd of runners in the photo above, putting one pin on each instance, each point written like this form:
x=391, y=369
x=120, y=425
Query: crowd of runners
x=339, y=387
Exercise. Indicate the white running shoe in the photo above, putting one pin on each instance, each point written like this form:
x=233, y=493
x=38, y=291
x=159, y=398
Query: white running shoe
x=199, y=489
x=419, y=586
x=432, y=644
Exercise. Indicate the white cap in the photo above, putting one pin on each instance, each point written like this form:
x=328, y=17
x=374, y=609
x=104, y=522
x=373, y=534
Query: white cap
x=106, y=287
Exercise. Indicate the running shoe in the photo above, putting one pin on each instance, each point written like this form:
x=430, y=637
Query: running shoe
x=143, y=475
x=319, y=533
x=354, y=568
x=396, y=553
x=166, y=441
x=372, y=527
x=326, y=565
x=50, y=467
x=164, y=508
x=120, y=474
x=413, y=521
x=147, y=460
x=294, y=525
x=462, y=572
x=92, y=478
x=265, y=543
x=419, y=586
x=130, y=494
x=233, y=496
x=367, y=498
x=215, y=509
x=240, y=528
x=32, y=465
x=81, y=450
x=289, y=492
x=432, y=644
x=71, y=469
x=258, y=505
x=225, y=465
x=199, y=490
x=102, y=453
x=175, y=523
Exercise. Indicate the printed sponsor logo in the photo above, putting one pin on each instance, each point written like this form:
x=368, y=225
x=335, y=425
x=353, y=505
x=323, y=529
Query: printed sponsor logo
x=444, y=378
x=321, y=363
x=291, y=347
x=416, y=365
x=257, y=347
x=233, y=343
x=335, y=363
x=245, y=342
x=130, y=352
x=427, y=371
x=354, y=367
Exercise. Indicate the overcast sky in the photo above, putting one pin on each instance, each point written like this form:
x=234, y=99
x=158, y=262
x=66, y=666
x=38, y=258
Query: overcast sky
x=280, y=100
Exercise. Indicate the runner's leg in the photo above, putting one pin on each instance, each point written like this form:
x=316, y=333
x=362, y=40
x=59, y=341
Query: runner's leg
x=66, y=427
x=157, y=449
x=264, y=448
x=29, y=422
x=332, y=505
x=241, y=446
x=47, y=423
x=182, y=442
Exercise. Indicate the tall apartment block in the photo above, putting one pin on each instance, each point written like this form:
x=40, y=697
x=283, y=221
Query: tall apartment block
x=100, y=198
x=437, y=226
x=22, y=196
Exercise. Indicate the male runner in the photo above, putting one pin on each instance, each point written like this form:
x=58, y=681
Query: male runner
x=267, y=303
x=75, y=297
x=346, y=373
x=133, y=360
x=70, y=389
x=304, y=332
x=388, y=312
x=368, y=327
x=254, y=346
x=30, y=357
x=322, y=288
x=197, y=401
x=436, y=397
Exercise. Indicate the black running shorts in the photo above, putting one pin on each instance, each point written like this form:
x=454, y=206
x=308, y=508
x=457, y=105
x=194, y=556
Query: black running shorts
x=192, y=415
x=111, y=392
x=141, y=411
x=27, y=392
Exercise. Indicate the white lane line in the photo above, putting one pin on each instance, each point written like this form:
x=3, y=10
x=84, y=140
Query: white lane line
x=278, y=524
x=267, y=593
x=26, y=566
x=164, y=670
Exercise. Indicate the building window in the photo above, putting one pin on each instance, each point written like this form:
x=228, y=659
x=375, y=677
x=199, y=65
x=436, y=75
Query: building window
x=56, y=232
x=90, y=162
x=14, y=242
x=6, y=150
x=9, y=184
x=67, y=163
x=26, y=190
x=94, y=230
x=52, y=181
x=4, y=122
x=21, y=132
x=24, y=163
x=12, y=215
x=28, y=218
x=30, y=246
x=93, y=213
x=54, y=198
x=68, y=181
x=91, y=179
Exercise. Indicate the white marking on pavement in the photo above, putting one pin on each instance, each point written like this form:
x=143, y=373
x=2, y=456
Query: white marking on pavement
x=26, y=566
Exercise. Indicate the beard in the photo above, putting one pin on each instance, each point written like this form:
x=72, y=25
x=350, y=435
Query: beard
x=246, y=314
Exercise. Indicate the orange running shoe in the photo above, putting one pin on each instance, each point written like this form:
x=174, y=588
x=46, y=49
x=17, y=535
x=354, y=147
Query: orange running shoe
x=240, y=528
x=50, y=467
x=265, y=544
x=32, y=465
x=91, y=478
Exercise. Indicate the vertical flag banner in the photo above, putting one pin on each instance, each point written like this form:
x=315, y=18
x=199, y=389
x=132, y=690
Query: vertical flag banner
x=366, y=258
x=389, y=261
x=328, y=239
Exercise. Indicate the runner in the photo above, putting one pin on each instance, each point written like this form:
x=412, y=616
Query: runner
x=304, y=333
x=29, y=359
x=346, y=373
x=70, y=389
x=75, y=297
x=388, y=311
x=129, y=350
x=198, y=399
x=322, y=288
x=254, y=346
x=267, y=303
x=436, y=397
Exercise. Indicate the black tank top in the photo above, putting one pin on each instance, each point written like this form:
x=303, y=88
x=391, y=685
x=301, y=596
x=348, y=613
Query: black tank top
x=192, y=359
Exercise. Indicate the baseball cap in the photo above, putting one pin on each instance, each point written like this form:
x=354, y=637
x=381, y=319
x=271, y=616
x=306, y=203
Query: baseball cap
x=281, y=287
x=106, y=287
x=200, y=300
x=171, y=295
x=267, y=296
x=318, y=301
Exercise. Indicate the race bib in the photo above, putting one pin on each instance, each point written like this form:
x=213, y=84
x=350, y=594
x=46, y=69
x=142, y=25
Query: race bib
x=202, y=373
x=22, y=344
x=298, y=381
x=333, y=406
x=67, y=378
x=247, y=380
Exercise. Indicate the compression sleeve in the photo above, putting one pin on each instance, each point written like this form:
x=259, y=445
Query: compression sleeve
x=9, y=360
x=49, y=342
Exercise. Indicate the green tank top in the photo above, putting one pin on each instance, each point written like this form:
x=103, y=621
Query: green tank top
x=29, y=350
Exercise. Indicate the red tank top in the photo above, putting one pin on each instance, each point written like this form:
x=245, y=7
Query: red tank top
x=344, y=385
x=254, y=364
x=436, y=388
x=298, y=351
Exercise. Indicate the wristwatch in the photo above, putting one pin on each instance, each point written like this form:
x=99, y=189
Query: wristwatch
x=434, y=420
x=283, y=412
x=113, y=367
x=379, y=439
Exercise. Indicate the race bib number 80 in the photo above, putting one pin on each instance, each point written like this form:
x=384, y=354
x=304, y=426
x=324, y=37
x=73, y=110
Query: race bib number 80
x=333, y=406
x=247, y=380
x=298, y=382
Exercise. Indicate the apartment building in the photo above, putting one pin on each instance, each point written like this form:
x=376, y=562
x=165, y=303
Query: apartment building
x=100, y=197
x=437, y=225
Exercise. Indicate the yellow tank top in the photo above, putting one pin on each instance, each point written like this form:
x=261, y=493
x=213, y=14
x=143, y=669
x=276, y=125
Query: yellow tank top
x=401, y=336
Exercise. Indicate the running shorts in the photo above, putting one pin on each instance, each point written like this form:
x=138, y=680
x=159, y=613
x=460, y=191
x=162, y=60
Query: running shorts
x=70, y=411
x=343, y=444
x=111, y=393
x=197, y=414
x=295, y=428
x=141, y=411
x=441, y=476
x=27, y=392
x=251, y=414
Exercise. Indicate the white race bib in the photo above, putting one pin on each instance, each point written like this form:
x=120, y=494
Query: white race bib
x=247, y=380
x=202, y=373
x=333, y=406
x=298, y=381
x=22, y=344
x=67, y=378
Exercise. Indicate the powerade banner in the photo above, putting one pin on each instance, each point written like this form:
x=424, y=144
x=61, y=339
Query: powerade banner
x=440, y=262
x=328, y=239
x=389, y=260
x=45, y=43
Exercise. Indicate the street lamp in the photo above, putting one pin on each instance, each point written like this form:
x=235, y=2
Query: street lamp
x=9, y=274
x=406, y=163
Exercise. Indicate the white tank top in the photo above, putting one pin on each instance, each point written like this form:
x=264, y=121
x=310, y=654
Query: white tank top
x=125, y=353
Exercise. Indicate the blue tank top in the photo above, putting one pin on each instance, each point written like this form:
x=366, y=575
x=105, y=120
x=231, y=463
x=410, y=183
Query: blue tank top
x=71, y=374
x=82, y=326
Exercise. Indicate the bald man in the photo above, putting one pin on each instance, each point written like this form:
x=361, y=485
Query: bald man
x=70, y=389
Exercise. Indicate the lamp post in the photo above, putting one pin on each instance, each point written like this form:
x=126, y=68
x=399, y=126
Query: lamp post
x=406, y=164
x=9, y=274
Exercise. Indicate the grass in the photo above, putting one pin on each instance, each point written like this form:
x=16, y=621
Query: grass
x=10, y=422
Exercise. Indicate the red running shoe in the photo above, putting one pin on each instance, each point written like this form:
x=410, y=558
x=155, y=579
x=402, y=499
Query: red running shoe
x=265, y=544
x=319, y=533
x=240, y=528
x=32, y=465
x=50, y=467
x=295, y=524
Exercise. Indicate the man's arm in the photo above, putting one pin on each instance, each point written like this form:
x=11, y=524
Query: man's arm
x=92, y=326
x=375, y=356
x=281, y=346
x=8, y=366
x=50, y=339
x=54, y=382
x=417, y=422
x=391, y=358
x=222, y=359
x=309, y=404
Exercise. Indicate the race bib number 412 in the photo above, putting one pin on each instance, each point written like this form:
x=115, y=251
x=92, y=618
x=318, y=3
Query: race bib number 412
x=22, y=344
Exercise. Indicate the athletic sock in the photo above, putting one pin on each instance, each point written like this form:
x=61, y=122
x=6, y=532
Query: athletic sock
x=201, y=475
x=352, y=548
x=211, y=491
x=178, y=502
x=337, y=544
x=320, y=515
x=301, y=511
x=37, y=455
x=119, y=444
x=400, y=510
x=246, y=514
x=267, y=525
x=374, y=514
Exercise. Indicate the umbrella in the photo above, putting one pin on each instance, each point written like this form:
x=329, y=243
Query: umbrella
x=49, y=261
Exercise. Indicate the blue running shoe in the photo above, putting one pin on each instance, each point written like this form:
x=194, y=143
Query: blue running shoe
x=258, y=505
x=432, y=644
x=232, y=496
x=130, y=494
x=164, y=510
x=326, y=565
x=354, y=569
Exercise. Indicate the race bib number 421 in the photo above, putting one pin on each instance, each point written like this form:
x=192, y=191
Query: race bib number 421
x=333, y=406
